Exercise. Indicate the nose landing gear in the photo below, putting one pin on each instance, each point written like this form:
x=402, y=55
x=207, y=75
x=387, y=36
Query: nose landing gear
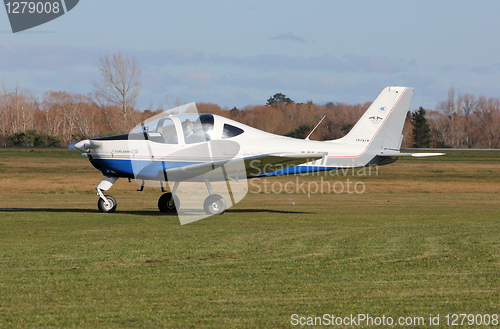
x=106, y=203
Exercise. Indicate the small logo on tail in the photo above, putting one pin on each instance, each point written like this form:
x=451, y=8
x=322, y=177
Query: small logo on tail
x=382, y=109
x=375, y=119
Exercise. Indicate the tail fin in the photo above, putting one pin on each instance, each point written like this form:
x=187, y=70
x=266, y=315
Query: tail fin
x=381, y=125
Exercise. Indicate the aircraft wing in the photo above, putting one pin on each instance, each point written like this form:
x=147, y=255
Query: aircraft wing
x=239, y=168
x=262, y=164
x=389, y=153
x=207, y=169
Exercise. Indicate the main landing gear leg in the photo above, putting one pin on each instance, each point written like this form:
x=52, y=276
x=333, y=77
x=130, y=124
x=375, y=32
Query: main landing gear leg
x=106, y=203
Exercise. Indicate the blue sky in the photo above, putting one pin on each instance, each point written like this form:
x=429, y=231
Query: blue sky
x=236, y=53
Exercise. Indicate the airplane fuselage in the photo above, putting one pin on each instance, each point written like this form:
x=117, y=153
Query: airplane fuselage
x=121, y=155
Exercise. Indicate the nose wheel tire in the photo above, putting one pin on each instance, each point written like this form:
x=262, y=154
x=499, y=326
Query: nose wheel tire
x=168, y=204
x=214, y=205
x=109, y=208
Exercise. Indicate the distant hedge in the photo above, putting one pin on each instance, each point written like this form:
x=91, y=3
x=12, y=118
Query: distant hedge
x=30, y=138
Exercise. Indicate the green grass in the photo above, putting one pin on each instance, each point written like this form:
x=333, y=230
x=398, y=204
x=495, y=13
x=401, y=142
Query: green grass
x=64, y=264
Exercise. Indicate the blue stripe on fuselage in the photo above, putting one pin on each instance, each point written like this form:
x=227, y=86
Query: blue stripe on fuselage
x=146, y=169
x=154, y=170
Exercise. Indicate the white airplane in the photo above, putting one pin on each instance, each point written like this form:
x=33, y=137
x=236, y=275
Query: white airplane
x=208, y=148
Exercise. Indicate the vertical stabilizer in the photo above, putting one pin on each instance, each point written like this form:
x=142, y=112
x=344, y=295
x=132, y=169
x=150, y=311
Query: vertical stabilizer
x=381, y=125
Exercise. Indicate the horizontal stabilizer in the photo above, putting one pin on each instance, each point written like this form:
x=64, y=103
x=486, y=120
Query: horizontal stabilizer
x=399, y=154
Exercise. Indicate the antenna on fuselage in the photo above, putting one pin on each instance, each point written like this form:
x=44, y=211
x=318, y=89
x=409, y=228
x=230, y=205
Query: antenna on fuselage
x=307, y=138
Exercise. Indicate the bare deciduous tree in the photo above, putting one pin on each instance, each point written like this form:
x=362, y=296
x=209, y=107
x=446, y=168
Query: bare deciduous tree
x=118, y=85
x=17, y=108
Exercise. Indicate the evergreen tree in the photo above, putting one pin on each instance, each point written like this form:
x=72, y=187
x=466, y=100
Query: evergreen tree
x=300, y=132
x=278, y=98
x=421, y=130
x=234, y=112
x=33, y=138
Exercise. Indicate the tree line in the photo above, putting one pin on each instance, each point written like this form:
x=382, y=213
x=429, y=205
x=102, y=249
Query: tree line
x=60, y=117
x=460, y=121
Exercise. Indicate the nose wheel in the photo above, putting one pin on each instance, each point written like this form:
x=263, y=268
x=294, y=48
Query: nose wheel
x=107, y=207
x=106, y=203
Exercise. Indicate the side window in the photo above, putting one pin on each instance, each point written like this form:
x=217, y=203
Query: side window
x=229, y=131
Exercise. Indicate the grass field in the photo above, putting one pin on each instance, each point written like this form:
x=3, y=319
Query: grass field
x=423, y=238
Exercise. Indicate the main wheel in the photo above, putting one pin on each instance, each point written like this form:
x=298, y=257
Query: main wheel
x=214, y=205
x=109, y=209
x=168, y=204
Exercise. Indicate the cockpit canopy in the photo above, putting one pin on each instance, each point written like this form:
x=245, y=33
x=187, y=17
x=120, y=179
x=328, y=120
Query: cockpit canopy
x=190, y=128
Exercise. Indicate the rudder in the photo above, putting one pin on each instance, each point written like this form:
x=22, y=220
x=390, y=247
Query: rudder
x=380, y=127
